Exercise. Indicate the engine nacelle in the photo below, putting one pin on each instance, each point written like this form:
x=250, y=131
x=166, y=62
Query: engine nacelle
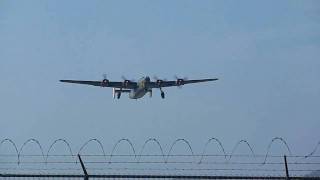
x=159, y=82
x=180, y=82
x=126, y=83
x=104, y=83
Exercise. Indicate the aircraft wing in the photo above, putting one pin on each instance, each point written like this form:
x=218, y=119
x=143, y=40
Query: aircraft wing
x=113, y=84
x=182, y=82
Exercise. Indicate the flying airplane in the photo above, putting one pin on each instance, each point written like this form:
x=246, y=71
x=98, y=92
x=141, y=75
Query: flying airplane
x=138, y=89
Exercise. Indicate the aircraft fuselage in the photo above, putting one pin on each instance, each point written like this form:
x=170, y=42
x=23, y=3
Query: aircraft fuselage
x=141, y=90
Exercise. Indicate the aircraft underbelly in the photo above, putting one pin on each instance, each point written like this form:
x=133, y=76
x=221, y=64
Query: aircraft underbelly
x=136, y=94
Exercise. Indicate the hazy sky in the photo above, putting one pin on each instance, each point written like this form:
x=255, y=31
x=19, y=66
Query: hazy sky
x=265, y=53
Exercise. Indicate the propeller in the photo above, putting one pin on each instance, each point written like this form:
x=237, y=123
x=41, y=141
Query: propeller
x=123, y=78
x=158, y=80
x=180, y=81
x=105, y=81
x=177, y=77
x=126, y=81
x=155, y=77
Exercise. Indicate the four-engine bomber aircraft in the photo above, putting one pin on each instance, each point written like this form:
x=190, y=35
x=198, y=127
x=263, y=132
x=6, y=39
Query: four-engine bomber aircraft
x=138, y=89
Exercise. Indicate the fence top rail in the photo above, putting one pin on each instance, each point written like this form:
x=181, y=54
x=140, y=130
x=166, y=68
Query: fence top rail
x=152, y=176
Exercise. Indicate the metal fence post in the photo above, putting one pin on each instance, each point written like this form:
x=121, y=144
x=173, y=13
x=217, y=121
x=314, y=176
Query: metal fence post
x=286, y=166
x=86, y=176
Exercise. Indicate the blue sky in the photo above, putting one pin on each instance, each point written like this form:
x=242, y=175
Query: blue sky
x=265, y=53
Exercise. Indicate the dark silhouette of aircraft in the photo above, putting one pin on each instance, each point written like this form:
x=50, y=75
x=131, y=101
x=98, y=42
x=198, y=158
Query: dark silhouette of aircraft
x=139, y=88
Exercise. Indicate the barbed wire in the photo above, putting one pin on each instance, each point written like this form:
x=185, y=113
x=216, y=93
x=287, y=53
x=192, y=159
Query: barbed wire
x=166, y=159
x=150, y=140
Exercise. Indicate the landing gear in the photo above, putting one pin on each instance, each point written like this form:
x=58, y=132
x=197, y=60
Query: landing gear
x=162, y=94
x=118, y=95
